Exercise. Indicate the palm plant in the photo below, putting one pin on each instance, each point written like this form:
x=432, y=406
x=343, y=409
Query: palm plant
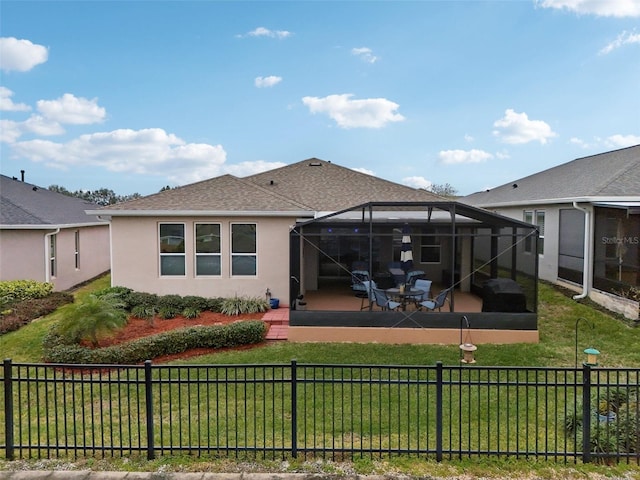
x=92, y=318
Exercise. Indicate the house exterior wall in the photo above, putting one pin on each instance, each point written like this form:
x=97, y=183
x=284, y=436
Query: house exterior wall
x=25, y=256
x=136, y=258
x=548, y=261
x=22, y=255
x=93, y=258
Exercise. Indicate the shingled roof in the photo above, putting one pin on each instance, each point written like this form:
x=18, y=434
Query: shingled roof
x=23, y=205
x=219, y=194
x=325, y=186
x=301, y=188
x=609, y=175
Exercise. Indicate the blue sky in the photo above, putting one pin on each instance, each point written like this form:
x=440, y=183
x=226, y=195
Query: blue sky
x=133, y=96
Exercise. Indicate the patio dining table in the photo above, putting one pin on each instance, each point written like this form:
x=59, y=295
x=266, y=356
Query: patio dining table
x=404, y=296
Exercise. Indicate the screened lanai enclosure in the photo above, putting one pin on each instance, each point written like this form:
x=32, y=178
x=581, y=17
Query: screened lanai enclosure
x=373, y=273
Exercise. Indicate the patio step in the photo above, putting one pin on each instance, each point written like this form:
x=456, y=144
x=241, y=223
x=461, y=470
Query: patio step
x=278, y=320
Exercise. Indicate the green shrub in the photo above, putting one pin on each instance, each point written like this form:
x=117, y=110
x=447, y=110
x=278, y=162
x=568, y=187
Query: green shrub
x=198, y=303
x=21, y=313
x=191, y=312
x=144, y=312
x=241, y=305
x=628, y=428
x=12, y=291
x=141, y=298
x=92, y=317
x=121, y=292
x=168, y=312
x=615, y=422
x=214, y=304
x=171, y=302
x=58, y=350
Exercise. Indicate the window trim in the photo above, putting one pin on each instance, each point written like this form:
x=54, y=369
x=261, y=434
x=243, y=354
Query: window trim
x=76, y=252
x=196, y=254
x=161, y=254
x=53, y=253
x=535, y=214
x=232, y=254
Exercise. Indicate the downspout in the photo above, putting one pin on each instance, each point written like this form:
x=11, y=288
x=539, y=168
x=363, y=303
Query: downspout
x=108, y=221
x=586, y=267
x=47, y=263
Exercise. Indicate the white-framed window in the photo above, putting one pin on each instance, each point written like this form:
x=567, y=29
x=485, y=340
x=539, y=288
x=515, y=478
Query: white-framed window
x=430, y=248
x=172, y=253
x=535, y=217
x=76, y=253
x=244, y=249
x=208, y=249
x=53, y=265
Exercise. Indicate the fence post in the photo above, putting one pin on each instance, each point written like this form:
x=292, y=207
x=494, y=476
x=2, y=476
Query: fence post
x=439, y=428
x=8, y=408
x=294, y=408
x=148, y=395
x=586, y=414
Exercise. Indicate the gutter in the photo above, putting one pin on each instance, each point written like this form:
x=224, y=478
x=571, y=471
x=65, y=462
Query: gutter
x=47, y=263
x=586, y=266
x=199, y=213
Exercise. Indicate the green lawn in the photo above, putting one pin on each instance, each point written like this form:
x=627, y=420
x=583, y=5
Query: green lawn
x=617, y=339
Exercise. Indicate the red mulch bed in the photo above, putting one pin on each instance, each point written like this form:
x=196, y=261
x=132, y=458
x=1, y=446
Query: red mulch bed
x=137, y=328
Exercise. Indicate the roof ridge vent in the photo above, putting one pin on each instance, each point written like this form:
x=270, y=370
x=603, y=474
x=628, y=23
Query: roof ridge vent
x=315, y=164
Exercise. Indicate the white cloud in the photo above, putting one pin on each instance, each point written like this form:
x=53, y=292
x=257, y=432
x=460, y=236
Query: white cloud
x=622, y=141
x=20, y=55
x=265, y=32
x=9, y=131
x=365, y=54
x=452, y=157
x=625, y=38
x=7, y=105
x=364, y=170
x=603, y=8
x=368, y=113
x=468, y=138
x=417, y=182
x=270, y=81
x=70, y=109
x=146, y=152
x=516, y=128
x=244, y=169
x=579, y=142
x=42, y=126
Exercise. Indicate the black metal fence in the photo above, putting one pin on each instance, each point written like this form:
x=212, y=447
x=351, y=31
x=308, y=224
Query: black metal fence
x=328, y=411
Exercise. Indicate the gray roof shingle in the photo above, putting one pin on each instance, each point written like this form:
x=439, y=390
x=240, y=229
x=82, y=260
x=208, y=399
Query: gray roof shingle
x=310, y=185
x=606, y=175
x=224, y=193
x=24, y=204
x=325, y=186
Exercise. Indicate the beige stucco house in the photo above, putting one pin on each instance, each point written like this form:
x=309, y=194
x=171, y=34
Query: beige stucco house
x=588, y=214
x=300, y=229
x=47, y=237
x=230, y=236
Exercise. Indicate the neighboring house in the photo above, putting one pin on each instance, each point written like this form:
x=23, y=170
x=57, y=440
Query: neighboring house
x=47, y=236
x=588, y=215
